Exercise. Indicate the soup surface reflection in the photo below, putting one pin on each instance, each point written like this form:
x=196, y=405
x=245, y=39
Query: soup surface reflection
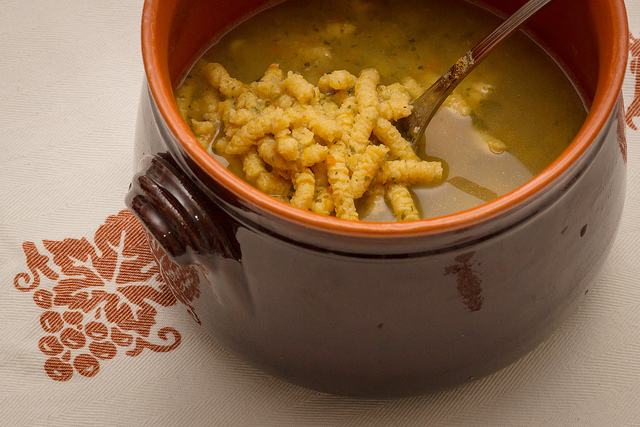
x=506, y=122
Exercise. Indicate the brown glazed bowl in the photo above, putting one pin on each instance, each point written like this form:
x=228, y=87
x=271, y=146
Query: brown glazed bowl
x=383, y=309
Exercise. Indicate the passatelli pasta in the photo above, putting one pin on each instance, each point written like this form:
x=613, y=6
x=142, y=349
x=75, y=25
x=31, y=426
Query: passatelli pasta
x=319, y=148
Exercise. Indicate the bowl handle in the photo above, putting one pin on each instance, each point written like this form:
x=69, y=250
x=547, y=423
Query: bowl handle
x=175, y=212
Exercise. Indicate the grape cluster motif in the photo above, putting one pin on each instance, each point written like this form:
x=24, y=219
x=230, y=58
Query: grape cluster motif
x=633, y=110
x=100, y=298
x=468, y=282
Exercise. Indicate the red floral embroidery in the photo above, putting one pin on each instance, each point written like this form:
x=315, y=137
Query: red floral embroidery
x=184, y=282
x=101, y=298
x=634, y=108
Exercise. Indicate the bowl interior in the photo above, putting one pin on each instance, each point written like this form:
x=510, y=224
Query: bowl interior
x=589, y=41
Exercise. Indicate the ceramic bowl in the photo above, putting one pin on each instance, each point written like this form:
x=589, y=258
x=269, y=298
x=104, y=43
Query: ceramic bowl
x=383, y=309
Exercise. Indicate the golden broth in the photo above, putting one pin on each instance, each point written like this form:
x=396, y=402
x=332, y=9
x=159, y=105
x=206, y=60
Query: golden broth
x=533, y=107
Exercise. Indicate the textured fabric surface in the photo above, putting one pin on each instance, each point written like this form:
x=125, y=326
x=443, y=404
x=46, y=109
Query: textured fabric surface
x=70, y=78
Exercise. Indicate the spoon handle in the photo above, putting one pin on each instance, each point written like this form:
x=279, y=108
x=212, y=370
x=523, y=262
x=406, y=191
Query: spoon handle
x=505, y=29
x=425, y=107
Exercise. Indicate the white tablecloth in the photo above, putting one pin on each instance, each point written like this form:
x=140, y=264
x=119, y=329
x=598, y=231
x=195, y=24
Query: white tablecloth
x=70, y=78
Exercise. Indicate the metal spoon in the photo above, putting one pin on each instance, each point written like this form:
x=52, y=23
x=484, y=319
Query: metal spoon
x=425, y=107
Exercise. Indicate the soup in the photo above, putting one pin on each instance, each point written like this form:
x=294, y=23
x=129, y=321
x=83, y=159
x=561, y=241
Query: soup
x=502, y=125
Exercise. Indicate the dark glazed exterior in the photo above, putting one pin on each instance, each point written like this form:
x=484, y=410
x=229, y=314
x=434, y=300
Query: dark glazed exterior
x=384, y=309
